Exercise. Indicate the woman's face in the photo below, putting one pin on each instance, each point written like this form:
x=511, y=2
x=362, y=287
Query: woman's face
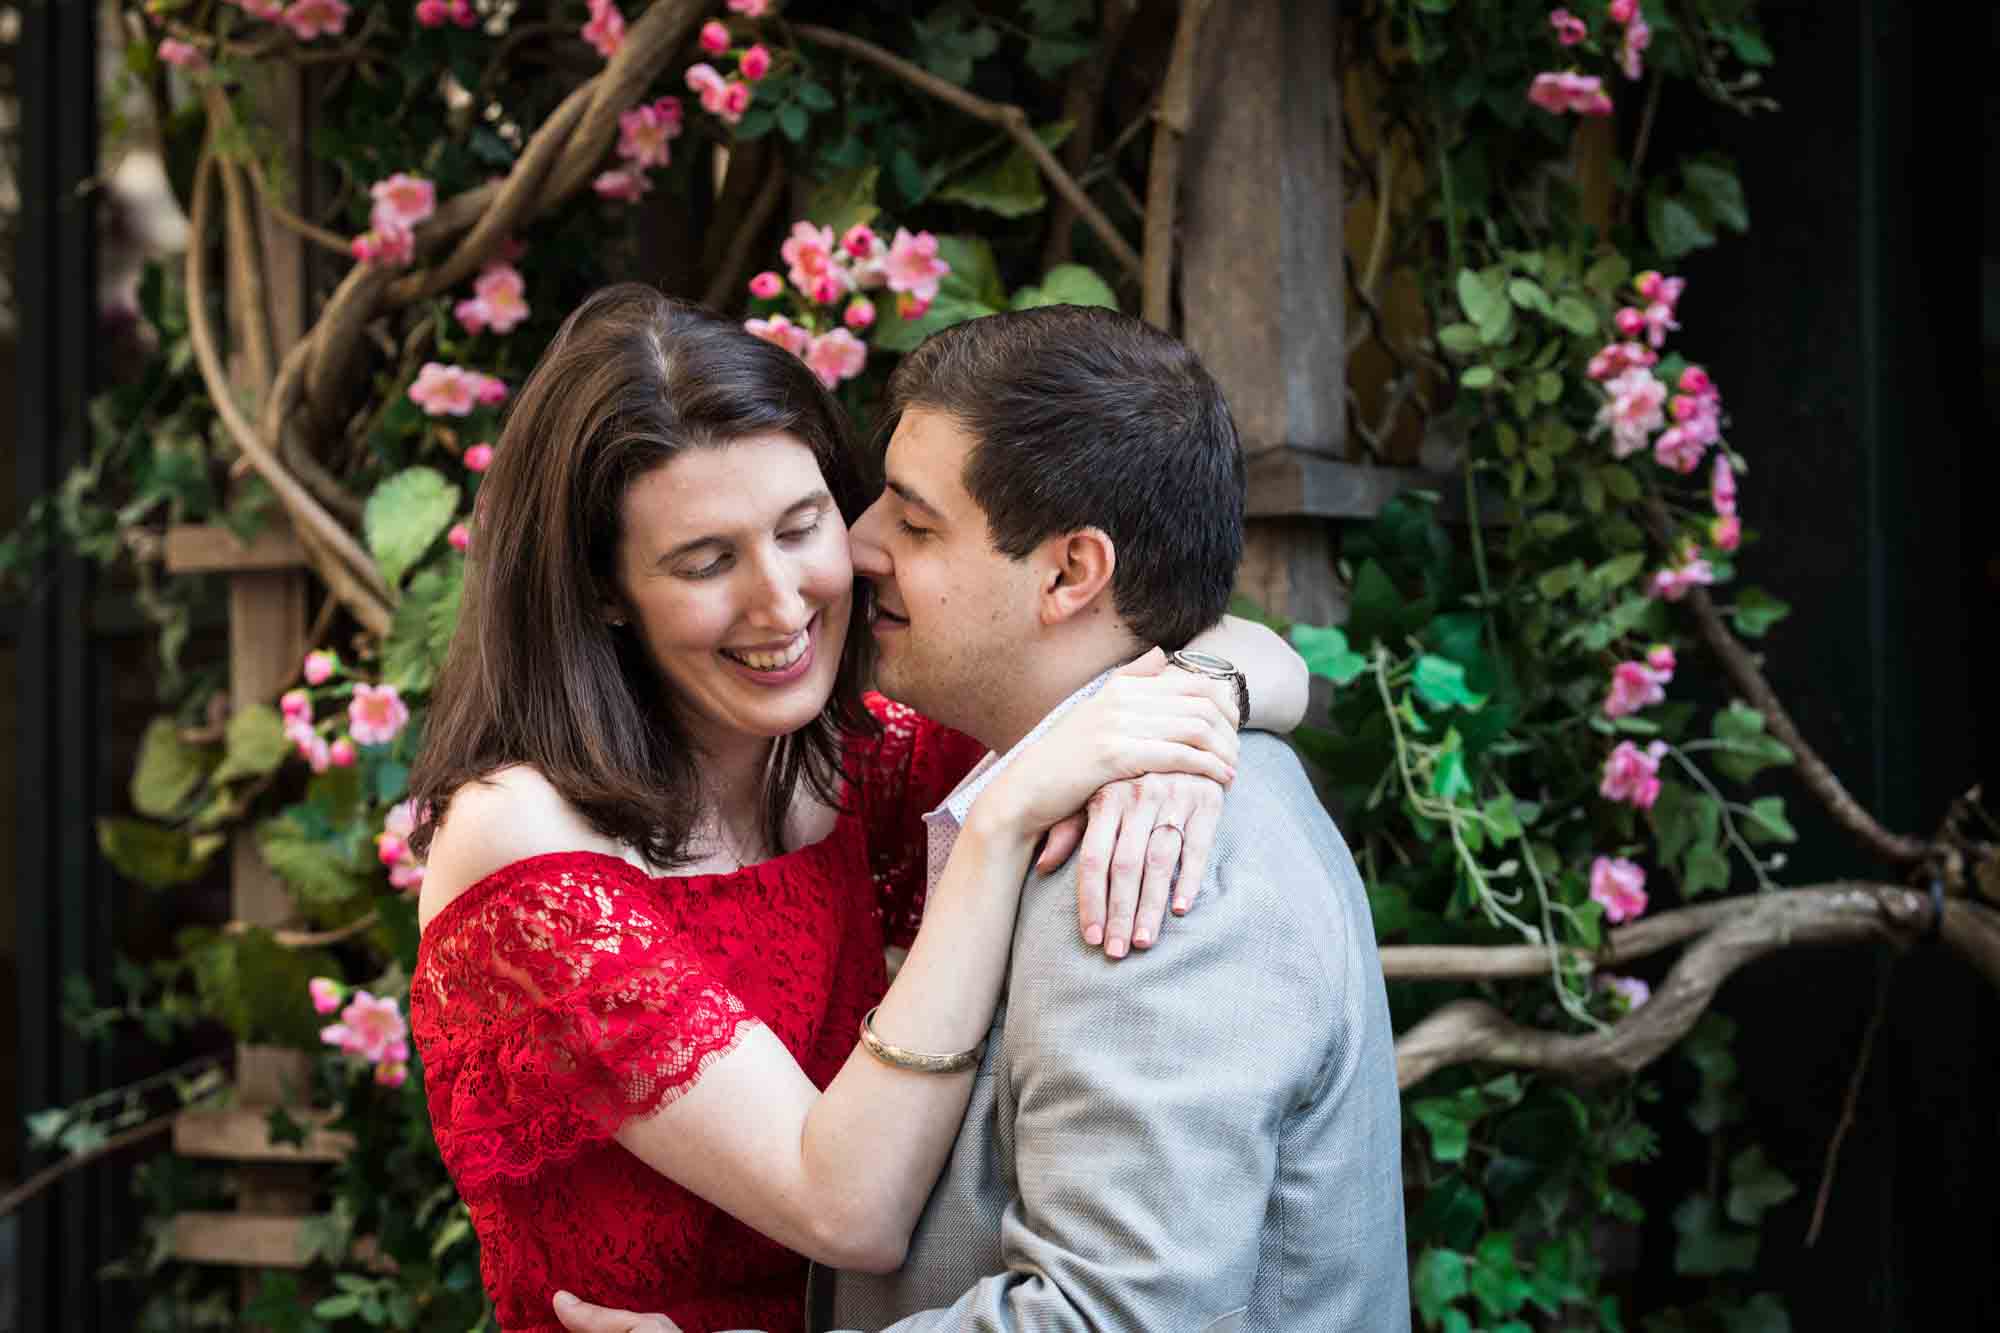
x=735, y=573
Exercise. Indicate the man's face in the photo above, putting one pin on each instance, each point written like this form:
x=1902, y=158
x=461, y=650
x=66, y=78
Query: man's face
x=954, y=616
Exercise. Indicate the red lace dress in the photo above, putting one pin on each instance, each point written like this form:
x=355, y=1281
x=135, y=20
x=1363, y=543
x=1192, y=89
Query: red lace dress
x=566, y=994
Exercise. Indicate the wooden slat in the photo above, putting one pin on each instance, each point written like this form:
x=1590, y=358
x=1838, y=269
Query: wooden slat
x=208, y=548
x=239, y=1240
x=1288, y=483
x=243, y=1135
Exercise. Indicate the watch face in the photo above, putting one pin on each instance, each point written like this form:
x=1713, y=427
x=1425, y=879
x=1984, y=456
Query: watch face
x=1208, y=664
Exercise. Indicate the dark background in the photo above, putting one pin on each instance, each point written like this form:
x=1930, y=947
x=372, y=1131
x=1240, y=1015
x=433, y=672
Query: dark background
x=1847, y=332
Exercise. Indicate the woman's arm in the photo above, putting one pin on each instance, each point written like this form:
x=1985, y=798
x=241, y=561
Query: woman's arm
x=1276, y=674
x=816, y=1171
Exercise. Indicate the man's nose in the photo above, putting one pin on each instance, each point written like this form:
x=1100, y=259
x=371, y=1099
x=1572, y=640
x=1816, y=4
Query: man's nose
x=864, y=542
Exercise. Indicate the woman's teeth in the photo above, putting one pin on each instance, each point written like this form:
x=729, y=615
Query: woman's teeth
x=773, y=661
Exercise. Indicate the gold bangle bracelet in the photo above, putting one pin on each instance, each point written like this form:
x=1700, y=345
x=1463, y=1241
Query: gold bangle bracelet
x=919, y=1062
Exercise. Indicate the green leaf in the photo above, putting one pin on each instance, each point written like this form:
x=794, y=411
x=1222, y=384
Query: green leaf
x=425, y=620
x=1528, y=294
x=1706, y=869
x=153, y=854
x=975, y=270
x=1450, y=1121
x=1326, y=653
x=792, y=120
x=1755, y=1186
x=1756, y=611
x=1484, y=305
x=405, y=515
x=1607, y=275
x=1066, y=284
x=1767, y=823
x=1462, y=339
x=316, y=869
x=1675, y=229
x=255, y=986
x=1746, y=751
x=168, y=771
x=845, y=198
x=1708, y=1246
x=1440, y=682
x=1719, y=189
x=1497, y=1282
x=1576, y=316
x=1762, y=1313
x=1010, y=187
x=1449, y=779
x=1619, y=481
x=893, y=333
x=253, y=744
x=1438, y=1280
x=1477, y=377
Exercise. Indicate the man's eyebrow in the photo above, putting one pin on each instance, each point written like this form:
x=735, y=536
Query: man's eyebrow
x=909, y=496
x=816, y=499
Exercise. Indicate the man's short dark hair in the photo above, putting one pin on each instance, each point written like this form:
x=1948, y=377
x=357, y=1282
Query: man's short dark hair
x=1085, y=417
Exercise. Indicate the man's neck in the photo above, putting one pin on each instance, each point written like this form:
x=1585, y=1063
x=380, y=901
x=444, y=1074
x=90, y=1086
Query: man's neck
x=1042, y=686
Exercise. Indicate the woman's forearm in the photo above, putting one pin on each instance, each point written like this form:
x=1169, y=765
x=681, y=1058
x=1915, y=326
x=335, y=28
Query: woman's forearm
x=1276, y=674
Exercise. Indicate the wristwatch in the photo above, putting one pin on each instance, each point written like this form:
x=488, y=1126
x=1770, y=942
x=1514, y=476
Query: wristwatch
x=1217, y=668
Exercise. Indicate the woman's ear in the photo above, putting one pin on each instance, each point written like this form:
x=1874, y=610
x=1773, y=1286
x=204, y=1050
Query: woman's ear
x=1078, y=568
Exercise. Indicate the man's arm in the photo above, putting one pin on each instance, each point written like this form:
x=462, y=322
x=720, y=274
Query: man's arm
x=1148, y=1096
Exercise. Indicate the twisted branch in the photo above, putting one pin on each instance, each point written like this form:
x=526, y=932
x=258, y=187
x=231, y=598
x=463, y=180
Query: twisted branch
x=1010, y=118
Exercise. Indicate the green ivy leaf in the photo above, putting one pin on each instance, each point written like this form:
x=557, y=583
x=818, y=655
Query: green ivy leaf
x=1326, y=653
x=153, y=854
x=792, y=121
x=1755, y=1186
x=1675, y=229
x=1438, y=1280
x=1706, y=869
x=315, y=868
x=1708, y=1246
x=422, y=630
x=1746, y=751
x=168, y=771
x=1440, y=682
x=1066, y=284
x=1719, y=190
x=1767, y=822
x=253, y=744
x=405, y=515
x=1496, y=1280
x=254, y=985
x=893, y=333
x=845, y=198
x=1576, y=316
x=1010, y=187
x=1756, y=611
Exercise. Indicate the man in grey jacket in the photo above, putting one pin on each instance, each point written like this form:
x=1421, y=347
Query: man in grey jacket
x=1204, y=1135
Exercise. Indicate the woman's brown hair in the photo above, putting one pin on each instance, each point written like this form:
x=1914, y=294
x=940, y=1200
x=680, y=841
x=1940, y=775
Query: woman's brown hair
x=536, y=675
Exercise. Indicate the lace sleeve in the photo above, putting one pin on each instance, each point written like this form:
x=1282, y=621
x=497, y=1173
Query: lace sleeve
x=908, y=771
x=552, y=1004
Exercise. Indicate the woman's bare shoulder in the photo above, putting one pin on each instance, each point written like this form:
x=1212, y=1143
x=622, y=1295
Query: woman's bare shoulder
x=505, y=817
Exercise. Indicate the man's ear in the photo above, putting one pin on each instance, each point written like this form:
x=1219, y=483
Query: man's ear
x=1077, y=569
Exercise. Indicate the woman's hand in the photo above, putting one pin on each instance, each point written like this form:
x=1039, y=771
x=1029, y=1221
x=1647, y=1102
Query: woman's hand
x=580, y=1316
x=1138, y=839
x=1145, y=719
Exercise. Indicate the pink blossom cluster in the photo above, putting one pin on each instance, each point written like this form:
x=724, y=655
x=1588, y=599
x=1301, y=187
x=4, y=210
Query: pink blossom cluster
x=498, y=301
x=1689, y=571
x=824, y=273
x=1619, y=887
x=376, y=714
x=437, y=13
x=1725, y=530
x=371, y=1028
x=1632, y=775
x=443, y=390
x=392, y=847
x=307, y=19
x=1559, y=91
x=401, y=202
x=296, y=708
x=1640, y=684
x=1569, y=29
x=605, y=29
x=723, y=97
x=1637, y=403
x=182, y=55
x=750, y=9
x=645, y=138
x=1632, y=43
x=1655, y=317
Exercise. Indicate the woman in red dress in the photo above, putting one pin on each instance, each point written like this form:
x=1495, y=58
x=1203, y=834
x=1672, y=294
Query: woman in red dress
x=671, y=836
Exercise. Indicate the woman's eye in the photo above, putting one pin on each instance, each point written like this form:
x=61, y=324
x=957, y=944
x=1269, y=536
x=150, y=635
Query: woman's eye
x=800, y=534
x=707, y=571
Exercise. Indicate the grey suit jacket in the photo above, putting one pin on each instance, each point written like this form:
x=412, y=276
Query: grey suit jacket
x=1203, y=1136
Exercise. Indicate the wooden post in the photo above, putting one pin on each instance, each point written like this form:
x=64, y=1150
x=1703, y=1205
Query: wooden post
x=1261, y=277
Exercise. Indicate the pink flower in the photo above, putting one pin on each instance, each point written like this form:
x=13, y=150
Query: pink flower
x=1619, y=887
x=766, y=285
x=318, y=754
x=1660, y=657
x=369, y=1027
x=646, y=132
x=1630, y=322
x=488, y=389
x=295, y=706
x=755, y=64
x=750, y=9
x=911, y=306
x=1680, y=449
x=1633, y=775
x=1634, y=685
x=1569, y=28
x=402, y=819
x=1722, y=485
x=182, y=55
x=624, y=186
x=1616, y=358
x=1647, y=284
x=736, y=97
x=1726, y=532
x=260, y=9
x=861, y=241
x=390, y=849
x=714, y=38
x=1623, y=11
x=1560, y=92
x=707, y=82
x=1695, y=380
x=860, y=313
x=836, y=356
x=407, y=876
x=389, y=243
x=342, y=753
x=1638, y=37
x=497, y=300
x=606, y=28
x=402, y=199
x=392, y=1073
x=913, y=265
x=1673, y=583
x=1659, y=317
x=326, y=994
x=443, y=390
x=1632, y=410
x=320, y=666
x=809, y=253
x=433, y=13
x=460, y=537
x=478, y=457
x=828, y=288
x=376, y=713
x=1626, y=993
x=777, y=329
x=312, y=18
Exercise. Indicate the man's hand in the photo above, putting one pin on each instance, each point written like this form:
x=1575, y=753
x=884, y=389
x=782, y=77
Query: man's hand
x=580, y=1316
